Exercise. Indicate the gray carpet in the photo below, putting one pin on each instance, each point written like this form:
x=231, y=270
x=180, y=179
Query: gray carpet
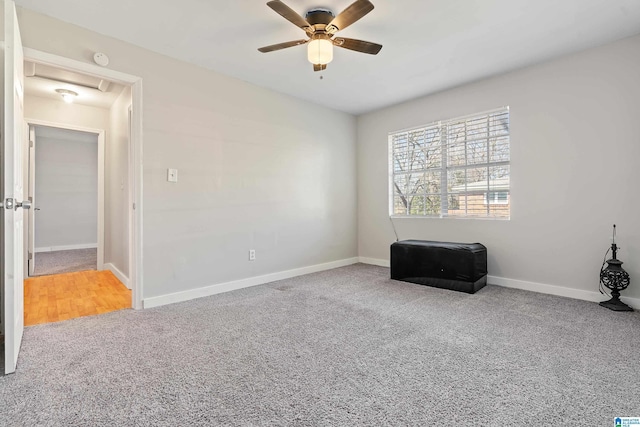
x=343, y=347
x=58, y=262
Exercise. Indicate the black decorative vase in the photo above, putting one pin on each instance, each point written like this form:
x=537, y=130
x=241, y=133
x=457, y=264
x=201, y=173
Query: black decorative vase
x=615, y=278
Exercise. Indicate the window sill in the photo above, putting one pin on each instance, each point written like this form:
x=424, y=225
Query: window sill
x=449, y=217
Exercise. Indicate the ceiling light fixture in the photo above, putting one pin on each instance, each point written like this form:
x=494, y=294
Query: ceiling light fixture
x=67, y=95
x=320, y=26
x=320, y=50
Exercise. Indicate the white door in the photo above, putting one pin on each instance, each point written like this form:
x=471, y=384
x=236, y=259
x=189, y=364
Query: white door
x=31, y=244
x=12, y=197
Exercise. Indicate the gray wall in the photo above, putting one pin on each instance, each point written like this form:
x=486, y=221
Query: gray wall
x=59, y=112
x=66, y=176
x=116, y=227
x=257, y=169
x=575, y=152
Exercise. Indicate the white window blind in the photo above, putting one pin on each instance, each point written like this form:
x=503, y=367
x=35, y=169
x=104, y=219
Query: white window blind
x=452, y=168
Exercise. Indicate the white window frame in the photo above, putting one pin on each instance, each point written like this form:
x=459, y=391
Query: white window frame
x=444, y=168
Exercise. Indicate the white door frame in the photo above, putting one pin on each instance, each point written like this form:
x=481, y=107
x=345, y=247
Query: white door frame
x=101, y=135
x=132, y=184
x=135, y=168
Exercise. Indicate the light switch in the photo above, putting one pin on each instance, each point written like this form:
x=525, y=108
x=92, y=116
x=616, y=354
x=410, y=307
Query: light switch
x=172, y=175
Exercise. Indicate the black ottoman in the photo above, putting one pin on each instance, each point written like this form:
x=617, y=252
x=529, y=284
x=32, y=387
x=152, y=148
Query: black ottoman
x=456, y=266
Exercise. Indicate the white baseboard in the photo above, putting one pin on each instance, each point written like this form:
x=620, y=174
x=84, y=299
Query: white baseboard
x=557, y=290
x=243, y=283
x=532, y=286
x=374, y=261
x=119, y=274
x=66, y=247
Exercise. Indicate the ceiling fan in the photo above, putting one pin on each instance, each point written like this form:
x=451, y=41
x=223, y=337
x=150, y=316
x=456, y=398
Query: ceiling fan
x=321, y=25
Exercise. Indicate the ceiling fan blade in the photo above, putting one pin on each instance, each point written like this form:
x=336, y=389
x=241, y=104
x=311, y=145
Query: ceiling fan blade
x=357, y=45
x=282, y=45
x=289, y=14
x=351, y=14
x=319, y=67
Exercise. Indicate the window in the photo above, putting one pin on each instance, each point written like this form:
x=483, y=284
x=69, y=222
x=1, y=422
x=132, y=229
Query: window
x=496, y=197
x=452, y=168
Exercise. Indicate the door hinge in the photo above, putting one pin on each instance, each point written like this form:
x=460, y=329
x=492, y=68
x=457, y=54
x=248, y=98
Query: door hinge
x=30, y=256
x=134, y=206
x=30, y=144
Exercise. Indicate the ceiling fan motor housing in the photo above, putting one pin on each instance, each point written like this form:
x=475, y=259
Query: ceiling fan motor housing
x=319, y=16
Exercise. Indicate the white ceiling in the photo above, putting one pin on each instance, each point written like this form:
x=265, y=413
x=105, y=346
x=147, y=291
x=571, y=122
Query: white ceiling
x=429, y=45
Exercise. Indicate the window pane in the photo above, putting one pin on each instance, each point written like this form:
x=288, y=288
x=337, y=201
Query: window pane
x=499, y=149
x=499, y=124
x=499, y=205
x=400, y=186
x=457, y=205
x=433, y=157
x=476, y=205
x=456, y=153
x=499, y=177
x=415, y=184
x=400, y=163
x=477, y=179
x=399, y=206
x=416, y=205
x=432, y=205
x=477, y=127
x=456, y=180
x=477, y=152
x=432, y=182
x=461, y=162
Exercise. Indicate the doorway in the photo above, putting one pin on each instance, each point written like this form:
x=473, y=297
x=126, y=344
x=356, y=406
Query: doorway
x=78, y=242
x=65, y=187
x=134, y=206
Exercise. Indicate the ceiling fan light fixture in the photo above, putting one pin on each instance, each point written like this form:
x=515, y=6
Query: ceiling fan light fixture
x=320, y=51
x=67, y=95
x=320, y=25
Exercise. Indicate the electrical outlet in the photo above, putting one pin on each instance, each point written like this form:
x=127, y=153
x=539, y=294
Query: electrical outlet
x=252, y=254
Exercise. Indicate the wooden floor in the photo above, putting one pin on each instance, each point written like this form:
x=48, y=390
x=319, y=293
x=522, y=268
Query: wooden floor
x=67, y=296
